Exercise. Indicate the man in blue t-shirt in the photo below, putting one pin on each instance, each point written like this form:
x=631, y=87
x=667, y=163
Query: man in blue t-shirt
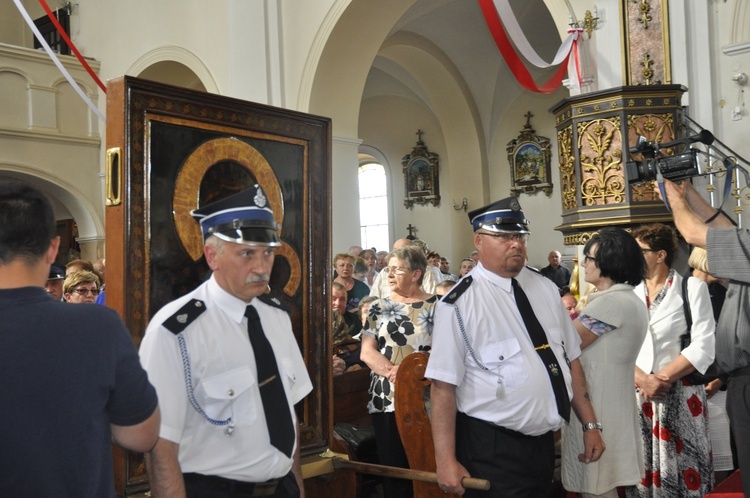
x=72, y=381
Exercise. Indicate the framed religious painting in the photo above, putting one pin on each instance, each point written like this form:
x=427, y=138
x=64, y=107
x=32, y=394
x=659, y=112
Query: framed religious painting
x=530, y=161
x=421, y=176
x=171, y=150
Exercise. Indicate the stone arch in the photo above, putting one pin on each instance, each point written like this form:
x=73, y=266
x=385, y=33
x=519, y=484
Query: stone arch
x=62, y=193
x=177, y=66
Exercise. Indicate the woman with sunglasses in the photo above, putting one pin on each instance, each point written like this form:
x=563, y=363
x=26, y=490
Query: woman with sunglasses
x=81, y=287
x=674, y=427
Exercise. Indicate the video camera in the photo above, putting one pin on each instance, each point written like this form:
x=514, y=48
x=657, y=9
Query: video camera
x=673, y=168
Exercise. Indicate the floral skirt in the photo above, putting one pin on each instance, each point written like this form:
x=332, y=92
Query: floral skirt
x=676, y=445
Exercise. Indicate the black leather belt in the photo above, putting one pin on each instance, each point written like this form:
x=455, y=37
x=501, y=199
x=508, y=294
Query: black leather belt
x=267, y=488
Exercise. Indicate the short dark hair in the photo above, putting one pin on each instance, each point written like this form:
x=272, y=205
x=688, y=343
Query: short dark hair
x=659, y=237
x=27, y=222
x=618, y=256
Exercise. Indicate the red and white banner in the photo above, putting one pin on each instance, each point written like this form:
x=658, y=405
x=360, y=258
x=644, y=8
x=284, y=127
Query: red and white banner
x=500, y=17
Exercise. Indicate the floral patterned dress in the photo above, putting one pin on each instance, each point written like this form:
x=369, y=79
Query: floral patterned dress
x=400, y=329
x=676, y=439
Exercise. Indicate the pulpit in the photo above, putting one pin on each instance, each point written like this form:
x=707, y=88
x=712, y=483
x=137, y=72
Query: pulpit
x=594, y=134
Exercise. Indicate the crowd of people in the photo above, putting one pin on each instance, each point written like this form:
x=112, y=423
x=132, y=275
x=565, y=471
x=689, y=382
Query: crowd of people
x=210, y=396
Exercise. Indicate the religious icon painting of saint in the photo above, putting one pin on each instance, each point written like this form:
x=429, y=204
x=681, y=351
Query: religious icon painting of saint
x=530, y=162
x=421, y=174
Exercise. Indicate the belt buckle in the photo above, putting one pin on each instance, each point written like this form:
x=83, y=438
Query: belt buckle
x=265, y=488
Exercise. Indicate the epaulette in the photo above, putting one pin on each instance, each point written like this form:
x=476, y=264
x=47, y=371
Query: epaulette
x=534, y=270
x=272, y=301
x=184, y=316
x=457, y=290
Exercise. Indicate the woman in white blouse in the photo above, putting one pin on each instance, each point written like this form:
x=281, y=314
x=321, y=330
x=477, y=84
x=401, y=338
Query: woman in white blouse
x=674, y=424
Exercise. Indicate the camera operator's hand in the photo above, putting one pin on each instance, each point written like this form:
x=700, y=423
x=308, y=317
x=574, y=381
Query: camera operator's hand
x=676, y=193
x=687, y=205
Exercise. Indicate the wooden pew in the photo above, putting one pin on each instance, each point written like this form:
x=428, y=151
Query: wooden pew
x=413, y=421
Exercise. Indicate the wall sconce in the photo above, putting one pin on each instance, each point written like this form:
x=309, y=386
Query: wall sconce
x=588, y=23
x=463, y=206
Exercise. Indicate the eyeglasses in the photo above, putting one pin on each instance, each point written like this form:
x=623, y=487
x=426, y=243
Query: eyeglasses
x=507, y=237
x=83, y=292
x=587, y=258
x=395, y=269
x=644, y=251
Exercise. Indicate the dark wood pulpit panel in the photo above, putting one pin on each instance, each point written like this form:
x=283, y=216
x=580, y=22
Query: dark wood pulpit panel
x=171, y=150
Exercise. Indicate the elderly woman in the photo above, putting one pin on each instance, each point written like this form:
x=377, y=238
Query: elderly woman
x=674, y=427
x=396, y=327
x=355, y=289
x=81, y=287
x=612, y=327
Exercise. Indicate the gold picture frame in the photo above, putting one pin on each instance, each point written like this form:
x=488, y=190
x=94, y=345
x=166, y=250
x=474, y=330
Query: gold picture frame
x=421, y=176
x=530, y=161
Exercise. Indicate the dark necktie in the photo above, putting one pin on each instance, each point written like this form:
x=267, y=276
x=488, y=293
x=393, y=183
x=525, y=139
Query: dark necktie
x=539, y=339
x=275, y=405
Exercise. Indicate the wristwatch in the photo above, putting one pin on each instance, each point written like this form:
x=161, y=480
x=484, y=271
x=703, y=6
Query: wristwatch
x=592, y=425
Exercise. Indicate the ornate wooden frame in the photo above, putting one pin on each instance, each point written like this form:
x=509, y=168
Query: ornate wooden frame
x=421, y=176
x=530, y=161
x=171, y=150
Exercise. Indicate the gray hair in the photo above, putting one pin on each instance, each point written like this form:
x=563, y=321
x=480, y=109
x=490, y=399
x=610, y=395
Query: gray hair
x=413, y=257
x=421, y=244
x=216, y=243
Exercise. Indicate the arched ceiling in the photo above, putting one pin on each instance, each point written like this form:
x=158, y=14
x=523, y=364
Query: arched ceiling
x=357, y=61
x=455, y=33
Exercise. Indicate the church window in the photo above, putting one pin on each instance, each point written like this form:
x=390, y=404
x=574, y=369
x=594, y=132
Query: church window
x=373, y=206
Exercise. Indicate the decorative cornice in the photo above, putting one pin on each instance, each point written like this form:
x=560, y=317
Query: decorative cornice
x=49, y=137
x=736, y=48
x=23, y=53
x=356, y=142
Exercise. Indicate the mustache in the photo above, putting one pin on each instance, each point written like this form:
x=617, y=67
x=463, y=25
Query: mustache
x=254, y=279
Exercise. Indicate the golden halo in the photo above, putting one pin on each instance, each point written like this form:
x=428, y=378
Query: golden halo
x=187, y=186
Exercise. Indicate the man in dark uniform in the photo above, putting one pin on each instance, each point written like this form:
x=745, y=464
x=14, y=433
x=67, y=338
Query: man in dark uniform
x=504, y=364
x=226, y=362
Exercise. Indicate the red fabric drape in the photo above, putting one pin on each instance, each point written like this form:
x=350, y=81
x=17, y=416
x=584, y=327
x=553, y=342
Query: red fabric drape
x=515, y=63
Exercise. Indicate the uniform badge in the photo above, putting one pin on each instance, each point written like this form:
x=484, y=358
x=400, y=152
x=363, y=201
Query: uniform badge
x=259, y=199
x=514, y=205
x=553, y=368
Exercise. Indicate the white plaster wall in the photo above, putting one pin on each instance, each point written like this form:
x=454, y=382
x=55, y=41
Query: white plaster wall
x=733, y=49
x=51, y=137
x=390, y=125
x=543, y=212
